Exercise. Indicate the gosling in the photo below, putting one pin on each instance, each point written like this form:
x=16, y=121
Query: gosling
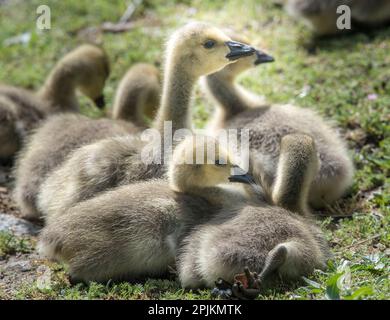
x=138, y=95
x=85, y=68
x=131, y=231
x=267, y=124
x=117, y=161
x=270, y=240
x=60, y=135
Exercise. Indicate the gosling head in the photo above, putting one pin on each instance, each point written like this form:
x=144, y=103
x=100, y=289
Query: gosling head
x=200, y=161
x=201, y=49
x=245, y=63
x=91, y=67
x=138, y=94
x=151, y=90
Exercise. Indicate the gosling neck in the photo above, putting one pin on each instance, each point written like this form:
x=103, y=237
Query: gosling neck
x=176, y=98
x=292, y=183
x=214, y=194
x=128, y=106
x=228, y=96
x=59, y=90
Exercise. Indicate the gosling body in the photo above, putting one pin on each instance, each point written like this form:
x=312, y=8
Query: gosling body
x=126, y=233
x=49, y=146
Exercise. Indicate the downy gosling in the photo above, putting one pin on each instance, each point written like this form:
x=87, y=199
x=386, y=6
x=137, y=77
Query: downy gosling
x=85, y=69
x=194, y=50
x=132, y=231
x=268, y=123
x=272, y=241
x=59, y=135
x=138, y=95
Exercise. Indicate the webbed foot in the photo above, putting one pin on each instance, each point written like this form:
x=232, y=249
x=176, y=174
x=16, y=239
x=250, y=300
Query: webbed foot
x=247, y=285
x=223, y=289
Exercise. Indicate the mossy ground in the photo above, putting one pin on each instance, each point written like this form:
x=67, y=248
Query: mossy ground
x=345, y=79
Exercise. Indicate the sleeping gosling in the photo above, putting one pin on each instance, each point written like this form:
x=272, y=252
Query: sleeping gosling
x=270, y=240
x=131, y=231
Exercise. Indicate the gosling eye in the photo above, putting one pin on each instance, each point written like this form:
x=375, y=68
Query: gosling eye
x=209, y=44
x=220, y=163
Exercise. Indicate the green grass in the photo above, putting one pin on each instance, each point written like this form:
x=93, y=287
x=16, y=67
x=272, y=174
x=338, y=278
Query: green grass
x=345, y=79
x=11, y=244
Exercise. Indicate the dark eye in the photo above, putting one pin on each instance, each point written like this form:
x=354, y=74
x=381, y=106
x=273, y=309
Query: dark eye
x=209, y=44
x=220, y=163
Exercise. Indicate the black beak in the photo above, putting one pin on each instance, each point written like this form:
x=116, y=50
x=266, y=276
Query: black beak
x=238, y=50
x=99, y=102
x=262, y=57
x=241, y=176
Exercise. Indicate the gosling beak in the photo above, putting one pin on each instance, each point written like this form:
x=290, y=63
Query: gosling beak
x=238, y=50
x=262, y=57
x=241, y=176
x=99, y=102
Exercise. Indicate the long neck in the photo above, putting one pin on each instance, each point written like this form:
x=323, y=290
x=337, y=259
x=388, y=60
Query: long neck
x=294, y=176
x=59, y=90
x=229, y=97
x=128, y=106
x=176, y=99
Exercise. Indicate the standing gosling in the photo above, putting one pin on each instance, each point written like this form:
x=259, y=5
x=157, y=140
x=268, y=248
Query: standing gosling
x=270, y=240
x=321, y=16
x=131, y=231
x=192, y=51
x=267, y=124
x=138, y=95
x=86, y=68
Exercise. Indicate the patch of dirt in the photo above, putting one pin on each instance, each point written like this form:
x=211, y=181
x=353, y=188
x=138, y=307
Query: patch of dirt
x=20, y=269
